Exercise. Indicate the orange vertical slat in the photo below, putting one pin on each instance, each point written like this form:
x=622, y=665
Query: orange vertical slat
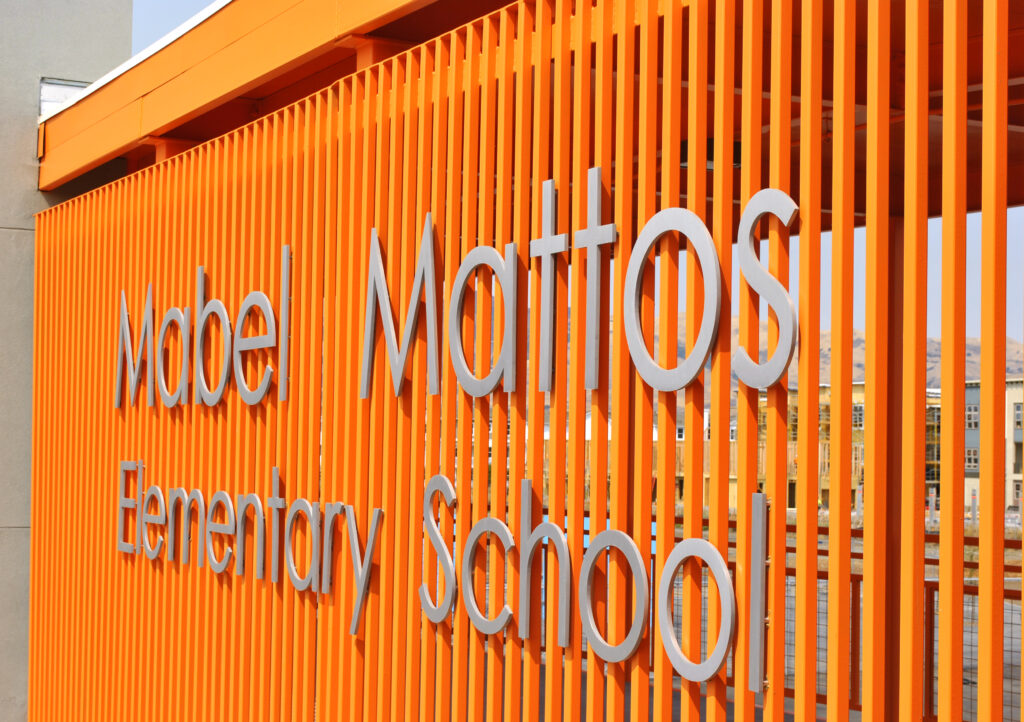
x=582, y=128
x=915, y=310
x=806, y=632
x=561, y=146
x=954, y=208
x=466, y=636
x=424, y=565
x=723, y=192
x=619, y=596
x=876, y=386
x=495, y=176
x=365, y=662
x=519, y=462
x=840, y=392
x=387, y=221
x=668, y=299
x=693, y=453
x=541, y=159
x=452, y=51
x=478, y=336
x=641, y=488
x=418, y=194
x=747, y=397
x=991, y=629
x=598, y=477
x=776, y=466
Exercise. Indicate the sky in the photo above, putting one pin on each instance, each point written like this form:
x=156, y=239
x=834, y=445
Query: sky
x=1014, y=278
x=152, y=19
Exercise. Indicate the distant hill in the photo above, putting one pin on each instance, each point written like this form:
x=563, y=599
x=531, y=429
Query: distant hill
x=1015, y=356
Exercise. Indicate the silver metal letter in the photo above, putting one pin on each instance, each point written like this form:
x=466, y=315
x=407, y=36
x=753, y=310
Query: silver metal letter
x=181, y=320
x=592, y=238
x=219, y=527
x=331, y=513
x=690, y=225
x=378, y=297
x=703, y=550
x=258, y=300
x=505, y=274
x=545, y=248
x=758, y=544
x=244, y=501
x=124, y=503
x=487, y=525
x=555, y=536
x=780, y=205
x=312, y=514
x=439, y=484
x=613, y=538
x=362, y=561
x=204, y=310
x=176, y=497
x=124, y=351
x=153, y=492
x=282, y=346
x=275, y=503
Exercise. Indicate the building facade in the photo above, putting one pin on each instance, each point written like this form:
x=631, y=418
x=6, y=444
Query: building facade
x=41, y=50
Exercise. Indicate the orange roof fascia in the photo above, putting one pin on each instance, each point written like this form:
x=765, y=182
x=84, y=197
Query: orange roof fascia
x=244, y=44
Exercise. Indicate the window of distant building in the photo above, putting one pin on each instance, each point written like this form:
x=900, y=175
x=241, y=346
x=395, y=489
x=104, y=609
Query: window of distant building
x=732, y=433
x=971, y=458
x=679, y=433
x=973, y=416
x=1018, y=416
x=858, y=416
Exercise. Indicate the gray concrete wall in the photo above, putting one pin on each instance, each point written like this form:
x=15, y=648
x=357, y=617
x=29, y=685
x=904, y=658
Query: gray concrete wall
x=72, y=40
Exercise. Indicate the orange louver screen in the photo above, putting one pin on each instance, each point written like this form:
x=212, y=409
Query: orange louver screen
x=698, y=107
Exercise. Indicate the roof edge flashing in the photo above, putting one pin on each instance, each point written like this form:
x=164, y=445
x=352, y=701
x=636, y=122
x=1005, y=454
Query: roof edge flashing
x=149, y=51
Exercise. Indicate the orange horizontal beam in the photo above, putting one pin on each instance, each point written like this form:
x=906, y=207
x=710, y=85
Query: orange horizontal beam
x=245, y=44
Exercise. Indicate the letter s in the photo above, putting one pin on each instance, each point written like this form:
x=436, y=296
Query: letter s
x=780, y=205
x=438, y=484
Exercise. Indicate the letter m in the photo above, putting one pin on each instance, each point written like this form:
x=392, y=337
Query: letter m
x=124, y=352
x=378, y=297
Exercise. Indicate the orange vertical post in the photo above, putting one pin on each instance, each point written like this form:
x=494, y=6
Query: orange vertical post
x=561, y=158
x=992, y=450
x=621, y=365
x=582, y=128
x=806, y=595
x=876, y=388
x=954, y=209
x=518, y=419
x=536, y=443
x=776, y=462
x=722, y=223
x=668, y=301
x=751, y=112
x=641, y=488
x=604, y=144
x=693, y=453
x=915, y=310
x=840, y=391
